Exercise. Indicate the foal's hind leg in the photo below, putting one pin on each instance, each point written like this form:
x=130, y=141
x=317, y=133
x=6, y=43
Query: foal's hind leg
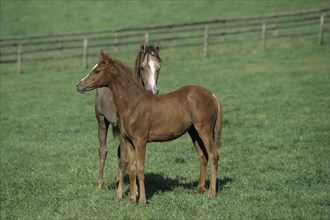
x=203, y=157
x=206, y=134
x=102, y=133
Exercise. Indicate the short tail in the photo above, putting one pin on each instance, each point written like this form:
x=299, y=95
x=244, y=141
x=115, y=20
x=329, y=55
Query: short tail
x=217, y=128
x=115, y=131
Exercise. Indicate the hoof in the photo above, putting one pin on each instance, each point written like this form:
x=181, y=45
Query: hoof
x=200, y=191
x=119, y=195
x=212, y=194
x=99, y=185
x=142, y=201
x=132, y=201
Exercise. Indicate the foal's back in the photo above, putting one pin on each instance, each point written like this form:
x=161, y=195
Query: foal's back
x=172, y=114
x=187, y=99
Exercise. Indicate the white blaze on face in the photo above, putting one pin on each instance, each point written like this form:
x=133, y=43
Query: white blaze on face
x=153, y=69
x=94, y=67
x=91, y=71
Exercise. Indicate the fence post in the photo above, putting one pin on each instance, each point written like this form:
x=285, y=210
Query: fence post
x=85, y=55
x=146, y=38
x=206, y=42
x=116, y=42
x=222, y=39
x=264, y=36
x=273, y=27
x=321, y=29
x=59, y=53
x=275, y=31
x=19, y=59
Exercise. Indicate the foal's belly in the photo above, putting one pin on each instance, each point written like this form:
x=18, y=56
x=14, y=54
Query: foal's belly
x=160, y=137
x=169, y=129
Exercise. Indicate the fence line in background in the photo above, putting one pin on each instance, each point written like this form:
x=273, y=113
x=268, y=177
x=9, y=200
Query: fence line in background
x=116, y=36
x=184, y=34
x=184, y=24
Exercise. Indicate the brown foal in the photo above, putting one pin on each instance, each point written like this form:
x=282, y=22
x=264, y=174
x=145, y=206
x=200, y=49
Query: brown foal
x=144, y=117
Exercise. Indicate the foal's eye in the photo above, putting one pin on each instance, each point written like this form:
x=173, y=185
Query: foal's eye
x=97, y=71
x=142, y=68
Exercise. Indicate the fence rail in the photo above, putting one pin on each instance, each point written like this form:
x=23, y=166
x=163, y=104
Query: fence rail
x=187, y=34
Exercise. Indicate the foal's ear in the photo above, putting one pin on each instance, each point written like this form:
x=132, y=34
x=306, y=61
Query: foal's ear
x=102, y=55
x=104, y=58
x=158, y=46
x=142, y=46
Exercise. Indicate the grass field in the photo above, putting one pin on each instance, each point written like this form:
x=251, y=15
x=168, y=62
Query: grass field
x=274, y=161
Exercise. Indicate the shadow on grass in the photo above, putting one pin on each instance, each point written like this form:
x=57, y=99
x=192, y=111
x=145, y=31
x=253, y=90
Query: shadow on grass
x=155, y=183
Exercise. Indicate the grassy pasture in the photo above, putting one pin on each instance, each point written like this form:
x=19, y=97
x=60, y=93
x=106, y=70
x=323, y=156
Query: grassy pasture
x=274, y=160
x=34, y=17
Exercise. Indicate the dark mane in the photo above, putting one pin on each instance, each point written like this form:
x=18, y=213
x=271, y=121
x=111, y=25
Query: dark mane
x=149, y=50
x=121, y=65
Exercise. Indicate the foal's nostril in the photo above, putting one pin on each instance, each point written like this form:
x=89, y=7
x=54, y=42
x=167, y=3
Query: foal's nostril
x=154, y=90
x=79, y=87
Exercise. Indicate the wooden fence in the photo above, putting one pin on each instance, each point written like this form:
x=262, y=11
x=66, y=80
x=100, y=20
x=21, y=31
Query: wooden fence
x=35, y=48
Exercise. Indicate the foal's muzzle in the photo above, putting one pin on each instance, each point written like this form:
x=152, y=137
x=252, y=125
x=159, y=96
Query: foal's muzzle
x=154, y=90
x=81, y=87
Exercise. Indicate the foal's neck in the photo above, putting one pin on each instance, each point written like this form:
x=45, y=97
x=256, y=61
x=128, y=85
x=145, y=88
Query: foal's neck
x=126, y=91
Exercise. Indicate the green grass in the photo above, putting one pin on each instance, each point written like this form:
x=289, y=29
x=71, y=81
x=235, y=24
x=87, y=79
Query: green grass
x=274, y=160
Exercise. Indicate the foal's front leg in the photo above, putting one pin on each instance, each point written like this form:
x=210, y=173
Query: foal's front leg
x=140, y=150
x=132, y=172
